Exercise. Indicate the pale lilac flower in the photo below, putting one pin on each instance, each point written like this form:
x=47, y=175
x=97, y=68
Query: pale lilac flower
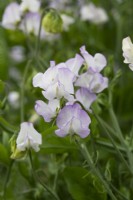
x=96, y=15
x=30, y=24
x=127, y=47
x=85, y=97
x=73, y=120
x=97, y=63
x=67, y=21
x=93, y=81
x=47, y=111
x=28, y=137
x=30, y=5
x=11, y=16
x=57, y=82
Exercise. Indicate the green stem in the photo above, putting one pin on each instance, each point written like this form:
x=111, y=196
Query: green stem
x=36, y=178
x=87, y=156
x=113, y=143
x=7, y=179
x=22, y=91
x=120, y=135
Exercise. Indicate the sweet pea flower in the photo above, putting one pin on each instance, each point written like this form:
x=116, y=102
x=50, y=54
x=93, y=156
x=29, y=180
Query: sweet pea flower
x=127, y=47
x=93, y=14
x=93, y=81
x=47, y=111
x=97, y=63
x=73, y=120
x=85, y=97
x=30, y=5
x=28, y=137
x=57, y=82
x=11, y=16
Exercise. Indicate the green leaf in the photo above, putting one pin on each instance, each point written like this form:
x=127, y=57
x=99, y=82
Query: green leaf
x=4, y=157
x=54, y=144
x=83, y=185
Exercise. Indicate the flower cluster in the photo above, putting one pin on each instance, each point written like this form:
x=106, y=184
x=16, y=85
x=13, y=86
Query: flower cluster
x=26, y=17
x=76, y=83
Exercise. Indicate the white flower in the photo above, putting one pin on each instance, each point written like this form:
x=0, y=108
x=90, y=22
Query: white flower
x=28, y=137
x=67, y=21
x=30, y=5
x=57, y=82
x=127, y=47
x=11, y=16
x=94, y=14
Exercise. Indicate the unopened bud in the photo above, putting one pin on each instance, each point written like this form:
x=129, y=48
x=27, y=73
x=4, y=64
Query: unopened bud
x=52, y=22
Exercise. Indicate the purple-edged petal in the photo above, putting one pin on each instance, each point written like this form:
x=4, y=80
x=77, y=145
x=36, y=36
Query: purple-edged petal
x=85, y=97
x=73, y=120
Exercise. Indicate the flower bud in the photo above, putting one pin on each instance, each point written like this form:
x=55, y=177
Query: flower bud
x=52, y=22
